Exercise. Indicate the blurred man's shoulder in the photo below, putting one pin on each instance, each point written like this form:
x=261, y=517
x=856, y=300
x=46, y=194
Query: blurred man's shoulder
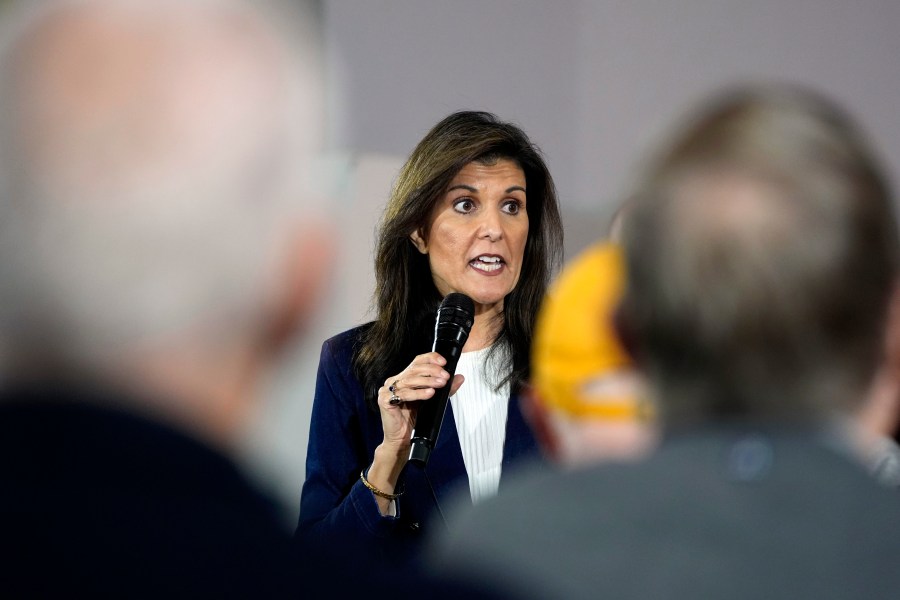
x=91, y=484
x=719, y=501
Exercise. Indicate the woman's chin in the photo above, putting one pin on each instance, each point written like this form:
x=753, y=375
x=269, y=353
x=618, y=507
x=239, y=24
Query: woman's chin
x=484, y=297
x=486, y=302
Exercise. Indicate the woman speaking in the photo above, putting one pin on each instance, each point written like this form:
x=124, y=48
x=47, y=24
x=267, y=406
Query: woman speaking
x=473, y=211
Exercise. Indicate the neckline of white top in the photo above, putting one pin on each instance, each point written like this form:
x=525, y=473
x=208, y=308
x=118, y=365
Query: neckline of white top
x=474, y=352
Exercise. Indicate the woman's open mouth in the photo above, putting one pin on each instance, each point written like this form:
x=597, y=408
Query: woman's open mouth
x=487, y=263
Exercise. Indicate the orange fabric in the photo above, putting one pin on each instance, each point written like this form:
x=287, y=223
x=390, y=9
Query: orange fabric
x=578, y=364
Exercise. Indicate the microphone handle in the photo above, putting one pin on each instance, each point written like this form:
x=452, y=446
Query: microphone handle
x=430, y=413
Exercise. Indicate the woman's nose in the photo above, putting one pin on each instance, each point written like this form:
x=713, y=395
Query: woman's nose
x=491, y=227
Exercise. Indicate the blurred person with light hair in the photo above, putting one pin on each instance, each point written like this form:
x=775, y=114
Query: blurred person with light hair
x=156, y=253
x=586, y=402
x=762, y=253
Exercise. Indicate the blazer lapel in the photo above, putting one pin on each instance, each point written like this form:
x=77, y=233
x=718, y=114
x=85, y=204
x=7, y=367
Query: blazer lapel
x=446, y=471
x=520, y=446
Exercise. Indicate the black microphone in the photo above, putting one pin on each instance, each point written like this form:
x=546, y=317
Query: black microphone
x=451, y=330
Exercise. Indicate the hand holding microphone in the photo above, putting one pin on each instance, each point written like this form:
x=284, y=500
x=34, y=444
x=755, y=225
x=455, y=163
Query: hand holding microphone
x=429, y=377
x=403, y=395
x=412, y=403
x=451, y=330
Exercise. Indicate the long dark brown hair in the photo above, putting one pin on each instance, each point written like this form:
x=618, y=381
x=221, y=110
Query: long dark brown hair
x=405, y=296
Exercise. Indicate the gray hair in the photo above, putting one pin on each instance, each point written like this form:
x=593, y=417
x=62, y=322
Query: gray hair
x=141, y=191
x=762, y=253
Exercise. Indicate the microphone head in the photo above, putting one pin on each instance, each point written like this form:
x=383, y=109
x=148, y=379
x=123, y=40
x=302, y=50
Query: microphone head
x=459, y=302
x=455, y=317
x=458, y=308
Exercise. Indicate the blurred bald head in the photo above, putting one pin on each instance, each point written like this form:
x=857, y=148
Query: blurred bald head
x=149, y=154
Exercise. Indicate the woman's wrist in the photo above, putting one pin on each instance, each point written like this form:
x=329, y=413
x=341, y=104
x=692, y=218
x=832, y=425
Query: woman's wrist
x=383, y=474
x=386, y=467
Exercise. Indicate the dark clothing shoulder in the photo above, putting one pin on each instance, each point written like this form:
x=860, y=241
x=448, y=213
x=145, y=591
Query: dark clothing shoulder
x=717, y=513
x=102, y=503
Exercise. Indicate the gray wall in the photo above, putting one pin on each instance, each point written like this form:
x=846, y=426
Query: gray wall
x=593, y=83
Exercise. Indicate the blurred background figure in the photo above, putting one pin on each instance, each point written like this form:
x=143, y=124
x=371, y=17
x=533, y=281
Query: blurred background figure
x=587, y=402
x=156, y=252
x=762, y=256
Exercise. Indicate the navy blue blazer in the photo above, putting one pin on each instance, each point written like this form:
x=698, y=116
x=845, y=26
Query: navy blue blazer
x=335, y=506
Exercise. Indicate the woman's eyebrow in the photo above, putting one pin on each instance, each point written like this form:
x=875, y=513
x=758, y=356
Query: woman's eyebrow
x=462, y=186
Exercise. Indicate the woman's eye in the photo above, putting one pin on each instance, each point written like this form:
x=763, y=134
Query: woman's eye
x=464, y=205
x=512, y=207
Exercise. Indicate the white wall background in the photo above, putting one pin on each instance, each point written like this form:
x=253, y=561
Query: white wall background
x=594, y=83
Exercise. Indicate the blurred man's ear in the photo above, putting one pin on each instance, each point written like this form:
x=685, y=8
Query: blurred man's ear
x=304, y=277
x=624, y=331
x=891, y=367
x=892, y=358
x=538, y=418
x=892, y=341
x=880, y=414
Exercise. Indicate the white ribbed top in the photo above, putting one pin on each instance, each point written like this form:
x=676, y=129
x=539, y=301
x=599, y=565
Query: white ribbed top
x=480, y=415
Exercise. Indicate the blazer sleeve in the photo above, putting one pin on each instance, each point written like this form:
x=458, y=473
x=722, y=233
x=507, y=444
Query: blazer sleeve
x=335, y=506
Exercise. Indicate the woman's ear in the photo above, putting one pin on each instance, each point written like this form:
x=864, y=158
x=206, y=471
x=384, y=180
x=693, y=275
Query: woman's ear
x=418, y=241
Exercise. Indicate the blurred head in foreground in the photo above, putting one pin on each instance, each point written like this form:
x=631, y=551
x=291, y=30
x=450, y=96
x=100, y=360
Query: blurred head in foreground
x=762, y=256
x=150, y=237
x=586, y=403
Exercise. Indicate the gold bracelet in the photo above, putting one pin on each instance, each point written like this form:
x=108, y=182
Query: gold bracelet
x=375, y=490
